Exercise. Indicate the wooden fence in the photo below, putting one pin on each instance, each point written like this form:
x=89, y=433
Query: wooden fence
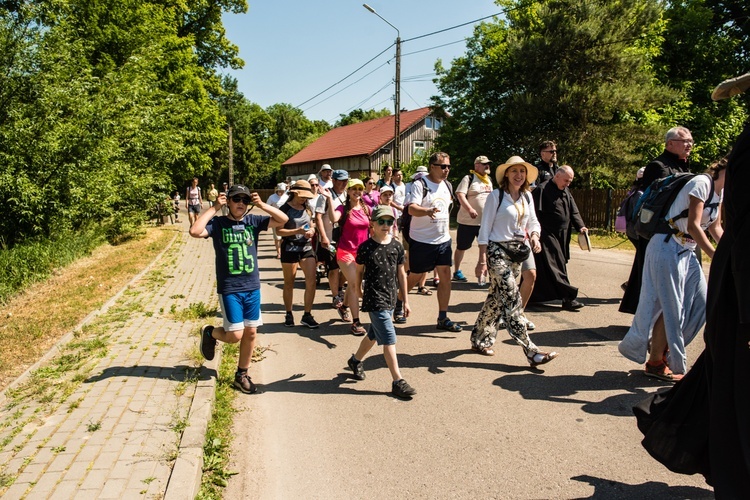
x=598, y=207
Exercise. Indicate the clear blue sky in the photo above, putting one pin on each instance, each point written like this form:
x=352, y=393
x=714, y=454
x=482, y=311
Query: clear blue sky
x=295, y=49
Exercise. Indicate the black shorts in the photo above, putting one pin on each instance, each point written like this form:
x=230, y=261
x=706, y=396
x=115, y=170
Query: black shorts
x=465, y=236
x=288, y=257
x=326, y=257
x=423, y=257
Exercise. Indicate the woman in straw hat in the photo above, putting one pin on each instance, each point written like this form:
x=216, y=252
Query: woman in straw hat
x=297, y=250
x=508, y=217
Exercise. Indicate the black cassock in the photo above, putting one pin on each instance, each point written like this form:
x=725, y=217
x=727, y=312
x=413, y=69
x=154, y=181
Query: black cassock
x=558, y=214
x=702, y=424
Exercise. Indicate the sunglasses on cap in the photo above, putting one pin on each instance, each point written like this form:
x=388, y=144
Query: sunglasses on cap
x=241, y=199
x=385, y=222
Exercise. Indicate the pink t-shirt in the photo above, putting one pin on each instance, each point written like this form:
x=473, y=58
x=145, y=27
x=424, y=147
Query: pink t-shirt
x=356, y=229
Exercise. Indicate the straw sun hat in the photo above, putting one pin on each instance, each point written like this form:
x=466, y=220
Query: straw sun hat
x=531, y=171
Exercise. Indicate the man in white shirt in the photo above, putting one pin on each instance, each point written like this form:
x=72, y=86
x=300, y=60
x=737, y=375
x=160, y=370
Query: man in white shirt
x=430, y=247
x=324, y=174
x=399, y=193
x=471, y=193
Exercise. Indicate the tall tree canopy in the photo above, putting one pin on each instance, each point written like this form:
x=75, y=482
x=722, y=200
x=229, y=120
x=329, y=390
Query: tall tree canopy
x=105, y=107
x=576, y=71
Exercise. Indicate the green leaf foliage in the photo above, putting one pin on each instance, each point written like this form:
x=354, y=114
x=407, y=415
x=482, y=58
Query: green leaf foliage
x=107, y=107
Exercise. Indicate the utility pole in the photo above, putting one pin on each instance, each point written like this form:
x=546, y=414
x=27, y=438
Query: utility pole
x=231, y=157
x=397, y=96
x=397, y=133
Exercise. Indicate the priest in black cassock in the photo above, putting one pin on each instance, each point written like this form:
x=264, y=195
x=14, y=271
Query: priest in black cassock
x=558, y=214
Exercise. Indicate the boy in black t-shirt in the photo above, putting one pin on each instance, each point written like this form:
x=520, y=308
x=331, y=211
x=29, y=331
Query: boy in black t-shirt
x=235, y=239
x=383, y=259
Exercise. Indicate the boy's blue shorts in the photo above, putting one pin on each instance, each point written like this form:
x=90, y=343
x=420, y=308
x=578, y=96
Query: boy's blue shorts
x=240, y=309
x=381, y=327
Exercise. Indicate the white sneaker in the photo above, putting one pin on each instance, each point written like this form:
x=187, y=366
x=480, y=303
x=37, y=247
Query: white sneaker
x=530, y=326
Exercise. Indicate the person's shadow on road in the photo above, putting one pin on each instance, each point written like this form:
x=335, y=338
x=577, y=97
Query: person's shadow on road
x=606, y=489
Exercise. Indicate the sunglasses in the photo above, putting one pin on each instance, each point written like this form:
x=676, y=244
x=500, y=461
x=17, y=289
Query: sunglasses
x=385, y=222
x=442, y=166
x=313, y=185
x=357, y=188
x=554, y=151
x=241, y=199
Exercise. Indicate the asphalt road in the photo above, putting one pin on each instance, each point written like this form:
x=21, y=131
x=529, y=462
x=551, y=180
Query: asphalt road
x=479, y=427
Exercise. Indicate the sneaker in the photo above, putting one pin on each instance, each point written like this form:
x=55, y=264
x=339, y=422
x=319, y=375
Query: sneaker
x=345, y=313
x=529, y=325
x=358, y=330
x=459, y=276
x=208, y=343
x=309, y=321
x=357, y=367
x=338, y=301
x=243, y=383
x=402, y=389
x=289, y=319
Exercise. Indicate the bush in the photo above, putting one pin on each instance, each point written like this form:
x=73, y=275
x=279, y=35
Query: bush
x=35, y=260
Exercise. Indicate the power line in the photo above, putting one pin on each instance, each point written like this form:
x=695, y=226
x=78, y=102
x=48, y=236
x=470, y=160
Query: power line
x=410, y=39
x=347, y=76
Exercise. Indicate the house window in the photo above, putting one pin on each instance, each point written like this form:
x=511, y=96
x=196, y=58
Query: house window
x=418, y=147
x=433, y=123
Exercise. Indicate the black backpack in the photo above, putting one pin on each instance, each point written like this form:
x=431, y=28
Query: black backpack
x=406, y=216
x=649, y=214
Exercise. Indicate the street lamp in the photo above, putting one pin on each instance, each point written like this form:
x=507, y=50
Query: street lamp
x=397, y=132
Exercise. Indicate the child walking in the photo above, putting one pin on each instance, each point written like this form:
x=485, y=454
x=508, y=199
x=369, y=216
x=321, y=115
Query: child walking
x=235, y=239
x=383, y=260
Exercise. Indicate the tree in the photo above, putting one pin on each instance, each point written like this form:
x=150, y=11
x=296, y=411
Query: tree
x=705, y=42
x=576, y=71
x=359, y=115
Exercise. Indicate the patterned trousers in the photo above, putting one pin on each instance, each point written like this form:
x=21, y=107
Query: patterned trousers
x=503, y=302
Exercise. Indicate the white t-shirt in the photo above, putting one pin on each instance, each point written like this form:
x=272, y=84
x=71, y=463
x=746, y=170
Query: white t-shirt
x=277, y=201
x=698, y=187
x=511, y=221
x=399, y=196
x=476, y=193
x=426, y=229
x=320, y=208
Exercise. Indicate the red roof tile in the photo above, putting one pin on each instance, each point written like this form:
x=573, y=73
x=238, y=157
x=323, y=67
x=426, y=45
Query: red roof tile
x=359, y=139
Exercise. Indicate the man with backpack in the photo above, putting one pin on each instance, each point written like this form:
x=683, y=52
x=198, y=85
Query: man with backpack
x=678, y=143
x=429, y=233
x=471, y=193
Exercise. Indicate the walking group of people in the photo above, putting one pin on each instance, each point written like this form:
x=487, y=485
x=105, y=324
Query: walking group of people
x=388, y=236
x=378, y=240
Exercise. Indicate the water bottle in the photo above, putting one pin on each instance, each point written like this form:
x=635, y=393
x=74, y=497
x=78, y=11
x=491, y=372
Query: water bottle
x=482, y=279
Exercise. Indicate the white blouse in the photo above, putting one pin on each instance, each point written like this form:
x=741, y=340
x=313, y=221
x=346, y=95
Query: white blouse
x=509, y=220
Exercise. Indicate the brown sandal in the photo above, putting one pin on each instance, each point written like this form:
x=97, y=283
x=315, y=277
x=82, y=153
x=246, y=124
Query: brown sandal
x=661, y=371
x=422, y=290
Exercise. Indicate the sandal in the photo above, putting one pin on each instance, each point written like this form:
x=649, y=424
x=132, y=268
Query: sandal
x=358, y=330
x=546, y=357
x=399, y=318
x=662, y=372
x=448, y=325
x=484, y=351
x=422, y=290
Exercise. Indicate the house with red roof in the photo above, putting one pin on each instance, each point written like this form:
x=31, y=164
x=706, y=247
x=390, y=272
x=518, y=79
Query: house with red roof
x=364, y=148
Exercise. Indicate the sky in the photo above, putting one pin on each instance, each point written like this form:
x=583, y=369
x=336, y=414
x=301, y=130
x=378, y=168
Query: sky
x=296, y=49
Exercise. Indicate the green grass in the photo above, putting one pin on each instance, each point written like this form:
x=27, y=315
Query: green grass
x=218, y=435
